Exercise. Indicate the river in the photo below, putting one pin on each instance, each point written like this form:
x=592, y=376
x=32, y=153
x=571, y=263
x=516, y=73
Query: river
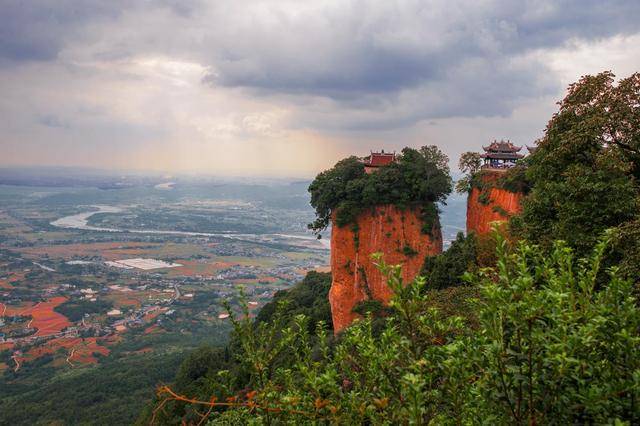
x=80, y=221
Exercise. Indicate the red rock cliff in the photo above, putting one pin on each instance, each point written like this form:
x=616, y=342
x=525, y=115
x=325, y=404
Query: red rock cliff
x=387, y=230
x=499, y=206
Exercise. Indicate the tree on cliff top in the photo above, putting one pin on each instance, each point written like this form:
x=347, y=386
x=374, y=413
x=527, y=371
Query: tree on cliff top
x=469, y=164
x=513, y=180
x=585, y=170
x=418, y=178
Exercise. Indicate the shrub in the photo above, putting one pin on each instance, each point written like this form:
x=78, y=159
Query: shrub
x=409, y=251
x=447, y=268
x=549, y=349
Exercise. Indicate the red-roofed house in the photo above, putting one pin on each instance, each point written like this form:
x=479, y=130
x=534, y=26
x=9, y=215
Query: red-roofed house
x=378, y=159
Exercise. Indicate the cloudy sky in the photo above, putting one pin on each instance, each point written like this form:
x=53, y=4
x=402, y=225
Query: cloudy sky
x=289, y=87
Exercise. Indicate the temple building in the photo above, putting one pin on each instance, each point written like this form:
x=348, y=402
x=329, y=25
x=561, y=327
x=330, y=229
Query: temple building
x=501, y=155
x=378, y=159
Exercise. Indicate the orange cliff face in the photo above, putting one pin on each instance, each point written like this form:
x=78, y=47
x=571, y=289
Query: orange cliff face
x=384, y=229
x=501, y=205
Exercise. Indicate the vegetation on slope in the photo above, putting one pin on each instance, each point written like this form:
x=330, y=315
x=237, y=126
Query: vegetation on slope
x=447, y=269
x=418, y=178
x=561, y=352
x=110, y=393
x=221, y=371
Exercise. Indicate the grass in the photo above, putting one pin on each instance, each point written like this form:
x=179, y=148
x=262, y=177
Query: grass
x=299, y=255
x=266, y=262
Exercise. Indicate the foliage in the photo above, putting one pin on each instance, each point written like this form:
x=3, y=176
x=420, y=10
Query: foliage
x=500, y=210
x=371, y=306
x=626, y=250
x=219, y=371
x=418, y=178
x=484, y=198
x=469, y=163
x=584, y=172
x=409, y=251
x=554, y=350
x=549, y=348
x=447, y=268
x=74, y=310
x=515, y=178
x=310, y=297
x=110, y=393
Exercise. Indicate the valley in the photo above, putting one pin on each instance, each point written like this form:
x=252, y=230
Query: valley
x=95, y=279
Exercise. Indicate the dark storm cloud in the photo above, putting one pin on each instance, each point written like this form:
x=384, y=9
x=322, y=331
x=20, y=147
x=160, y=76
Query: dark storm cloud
x=361, y=47
x=331, y=65
x=37, y=30
x=461, y=58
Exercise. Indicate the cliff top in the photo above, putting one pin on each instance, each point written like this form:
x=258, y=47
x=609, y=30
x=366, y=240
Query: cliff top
x=417, y=178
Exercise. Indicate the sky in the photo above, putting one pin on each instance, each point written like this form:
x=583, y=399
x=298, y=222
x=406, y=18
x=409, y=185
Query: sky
x=287, y=88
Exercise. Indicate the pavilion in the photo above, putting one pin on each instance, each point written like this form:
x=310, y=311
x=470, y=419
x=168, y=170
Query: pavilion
x=501, y=155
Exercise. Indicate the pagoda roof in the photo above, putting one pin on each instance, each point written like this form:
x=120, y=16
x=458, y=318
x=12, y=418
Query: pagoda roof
x=532, y=149
x=502, y=155
x=378, y=159
x=502, y=146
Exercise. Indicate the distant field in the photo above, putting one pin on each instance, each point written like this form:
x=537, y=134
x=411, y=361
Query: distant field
x=298, y=255
x=109, y=251
x=45, y=319
x=265, y=262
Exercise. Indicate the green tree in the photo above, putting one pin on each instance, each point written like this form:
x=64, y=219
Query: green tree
x=583, y=172
x=469, y=164
x=447, y=268
x=333, y=186
x=419, y=178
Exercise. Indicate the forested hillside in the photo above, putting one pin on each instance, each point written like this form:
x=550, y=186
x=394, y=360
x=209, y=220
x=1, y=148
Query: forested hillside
x=221, y=371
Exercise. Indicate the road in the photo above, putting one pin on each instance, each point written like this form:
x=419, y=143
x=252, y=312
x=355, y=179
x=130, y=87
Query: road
x=70, y=356
x=15, y=358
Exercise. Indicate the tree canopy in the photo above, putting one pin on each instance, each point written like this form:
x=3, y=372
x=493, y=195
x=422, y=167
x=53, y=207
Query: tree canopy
x=418, y=178
x=447, y=268
x=469, y=164
x=584, y=172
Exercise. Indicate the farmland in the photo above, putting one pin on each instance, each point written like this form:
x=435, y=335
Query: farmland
x=146, y=278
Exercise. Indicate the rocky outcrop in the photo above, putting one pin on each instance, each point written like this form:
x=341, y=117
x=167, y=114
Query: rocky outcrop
x=490, y=204
x=395, y=233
